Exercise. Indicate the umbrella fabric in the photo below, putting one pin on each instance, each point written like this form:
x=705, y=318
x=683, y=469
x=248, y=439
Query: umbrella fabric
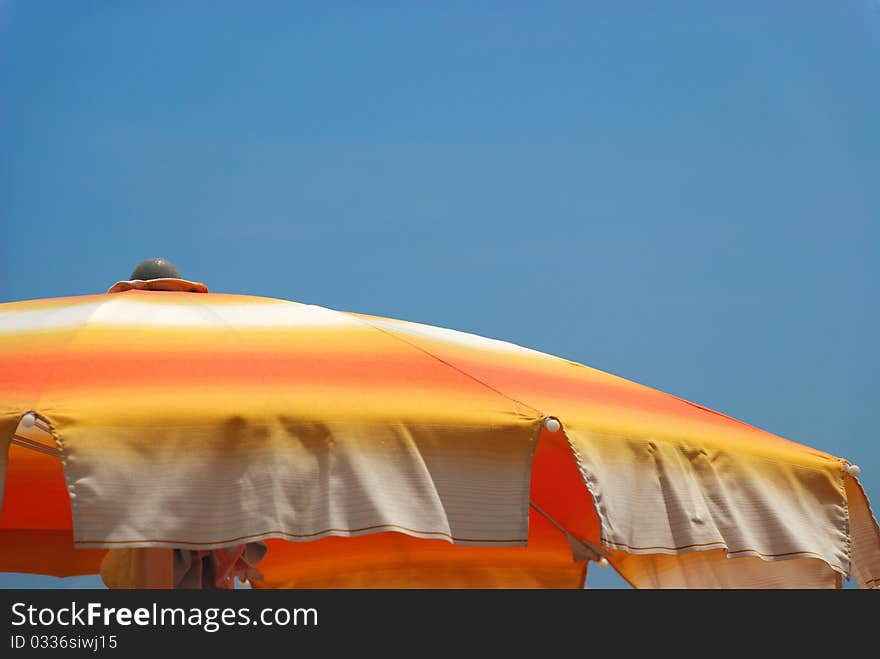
x=202, y=421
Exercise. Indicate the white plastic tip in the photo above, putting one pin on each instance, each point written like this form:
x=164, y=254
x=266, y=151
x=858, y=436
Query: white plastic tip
x=602, y=563
x=853, y=470
x=552, y=424
x=28, y=420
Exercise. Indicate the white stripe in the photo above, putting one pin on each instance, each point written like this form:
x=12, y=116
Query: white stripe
x=454, y=337
x=52, y=318
x=122, y=312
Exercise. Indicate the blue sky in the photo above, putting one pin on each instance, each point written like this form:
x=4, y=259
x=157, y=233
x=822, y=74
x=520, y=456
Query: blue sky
x=687, y=197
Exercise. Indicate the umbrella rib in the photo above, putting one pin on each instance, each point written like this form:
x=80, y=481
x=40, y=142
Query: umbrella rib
x=24, y=442
x=593, y=552
x=444, y=362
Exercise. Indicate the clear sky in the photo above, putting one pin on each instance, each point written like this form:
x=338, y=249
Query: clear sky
x=688, y=197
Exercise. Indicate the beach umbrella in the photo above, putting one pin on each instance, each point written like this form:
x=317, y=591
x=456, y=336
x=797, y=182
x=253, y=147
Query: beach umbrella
x=363, y=451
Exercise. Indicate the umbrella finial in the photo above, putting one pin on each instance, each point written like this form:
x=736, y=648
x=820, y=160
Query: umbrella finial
x=156, y=268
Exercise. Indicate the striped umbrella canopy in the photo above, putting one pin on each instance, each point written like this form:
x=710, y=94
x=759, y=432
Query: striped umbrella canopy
x=371, y=452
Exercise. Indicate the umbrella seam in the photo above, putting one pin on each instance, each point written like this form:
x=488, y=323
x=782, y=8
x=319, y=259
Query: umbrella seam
x=847, y=518
x=708, y=546
x=568, y=534
x=871, y=515
x=30, y=444
x=99, y=300
x=70, y=487
x=592, y=488
x=444, y=362
x=487, y=541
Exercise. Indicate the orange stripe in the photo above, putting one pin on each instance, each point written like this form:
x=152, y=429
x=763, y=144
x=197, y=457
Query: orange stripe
x=136, y=370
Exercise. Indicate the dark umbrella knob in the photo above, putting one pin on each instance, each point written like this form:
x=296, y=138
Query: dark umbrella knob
x=155, y=269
